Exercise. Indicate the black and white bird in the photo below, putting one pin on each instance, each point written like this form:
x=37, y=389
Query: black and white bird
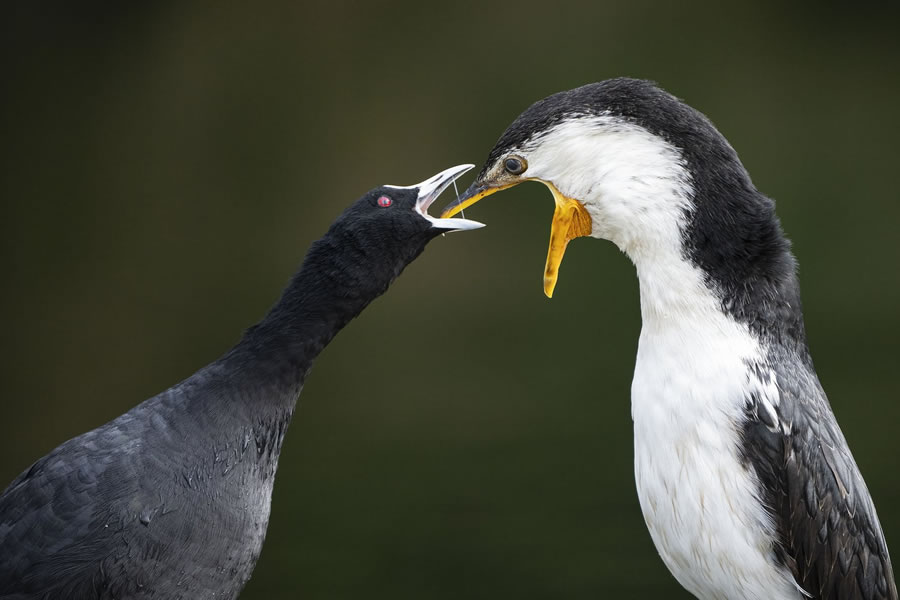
x=171, y=499
x=745, y=480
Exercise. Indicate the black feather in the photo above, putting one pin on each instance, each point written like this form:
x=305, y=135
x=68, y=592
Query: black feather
x=171, y=499
x=829, y=536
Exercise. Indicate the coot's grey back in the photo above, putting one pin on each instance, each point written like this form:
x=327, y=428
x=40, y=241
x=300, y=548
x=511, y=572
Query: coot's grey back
x=183, y=479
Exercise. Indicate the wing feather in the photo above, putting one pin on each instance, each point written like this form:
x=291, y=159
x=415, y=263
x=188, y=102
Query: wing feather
x=829, y=534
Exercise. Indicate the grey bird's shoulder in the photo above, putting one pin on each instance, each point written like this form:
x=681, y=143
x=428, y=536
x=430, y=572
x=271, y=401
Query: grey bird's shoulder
x=61, y=493
x=77, y=498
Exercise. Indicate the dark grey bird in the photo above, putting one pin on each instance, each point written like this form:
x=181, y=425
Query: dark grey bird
x=746, y=482
x=171, y=499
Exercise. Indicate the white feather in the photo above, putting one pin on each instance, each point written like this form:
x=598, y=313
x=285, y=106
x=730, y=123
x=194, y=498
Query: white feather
x=691, y=379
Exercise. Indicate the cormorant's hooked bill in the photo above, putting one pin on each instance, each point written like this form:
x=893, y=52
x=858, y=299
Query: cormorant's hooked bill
x=570, y=219
x=473, y=194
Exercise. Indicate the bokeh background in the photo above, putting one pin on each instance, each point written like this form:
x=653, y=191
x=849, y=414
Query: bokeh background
x=167, y=164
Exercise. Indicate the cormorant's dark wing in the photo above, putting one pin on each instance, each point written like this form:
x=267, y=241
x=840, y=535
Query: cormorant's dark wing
x=829, y=534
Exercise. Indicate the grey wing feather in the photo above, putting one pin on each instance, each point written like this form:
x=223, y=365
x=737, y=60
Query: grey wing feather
x=54, y=534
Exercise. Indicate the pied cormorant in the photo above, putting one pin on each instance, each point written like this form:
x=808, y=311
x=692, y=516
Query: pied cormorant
x=745, y=480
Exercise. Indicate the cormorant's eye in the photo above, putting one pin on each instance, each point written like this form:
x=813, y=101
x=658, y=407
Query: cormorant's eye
x=515, y=165
x=384, y=201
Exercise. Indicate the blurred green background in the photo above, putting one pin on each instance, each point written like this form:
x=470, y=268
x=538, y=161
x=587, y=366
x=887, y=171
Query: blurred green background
x=167, y=165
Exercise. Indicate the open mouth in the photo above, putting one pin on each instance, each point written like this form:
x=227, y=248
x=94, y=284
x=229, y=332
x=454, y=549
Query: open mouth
x=430, y=189
x=570, y=220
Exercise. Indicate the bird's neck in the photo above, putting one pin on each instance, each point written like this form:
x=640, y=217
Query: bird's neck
x=736, y=264
x=332, y=286
x=673, y=291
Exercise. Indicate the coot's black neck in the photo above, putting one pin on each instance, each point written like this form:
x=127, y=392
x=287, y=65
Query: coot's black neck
x=337, y=280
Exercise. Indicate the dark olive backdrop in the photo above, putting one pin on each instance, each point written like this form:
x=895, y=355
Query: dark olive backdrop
x=167, y=166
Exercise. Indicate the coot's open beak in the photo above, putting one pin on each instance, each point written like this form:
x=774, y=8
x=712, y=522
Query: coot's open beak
x=431, y=188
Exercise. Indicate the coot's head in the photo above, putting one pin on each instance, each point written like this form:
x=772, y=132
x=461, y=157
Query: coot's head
x=386, y=229
x=392, y=221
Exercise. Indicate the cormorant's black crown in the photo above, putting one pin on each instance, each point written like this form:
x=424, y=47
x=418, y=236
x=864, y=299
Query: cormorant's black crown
x=636, y=101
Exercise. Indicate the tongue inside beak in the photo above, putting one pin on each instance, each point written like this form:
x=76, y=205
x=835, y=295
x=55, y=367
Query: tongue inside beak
x=570, y=220
x=431, y=188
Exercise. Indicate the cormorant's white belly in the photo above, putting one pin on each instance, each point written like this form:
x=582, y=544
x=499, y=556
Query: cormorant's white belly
x=699, y=501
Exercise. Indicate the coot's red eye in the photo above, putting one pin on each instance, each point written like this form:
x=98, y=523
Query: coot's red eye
x=384, y=201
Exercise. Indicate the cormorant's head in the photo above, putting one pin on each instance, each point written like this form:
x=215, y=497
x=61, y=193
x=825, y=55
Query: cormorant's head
x=624, y=160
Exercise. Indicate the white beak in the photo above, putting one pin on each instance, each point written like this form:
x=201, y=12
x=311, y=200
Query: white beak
x=431, y=188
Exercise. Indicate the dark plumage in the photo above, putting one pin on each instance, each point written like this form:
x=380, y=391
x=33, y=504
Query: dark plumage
x=171, y=499
x=828, y=531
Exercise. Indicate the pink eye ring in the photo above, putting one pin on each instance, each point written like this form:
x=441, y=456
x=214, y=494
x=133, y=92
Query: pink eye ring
x=384, y=201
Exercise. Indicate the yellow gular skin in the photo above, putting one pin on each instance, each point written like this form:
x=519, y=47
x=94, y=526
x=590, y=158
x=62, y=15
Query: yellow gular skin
x=570, y=220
